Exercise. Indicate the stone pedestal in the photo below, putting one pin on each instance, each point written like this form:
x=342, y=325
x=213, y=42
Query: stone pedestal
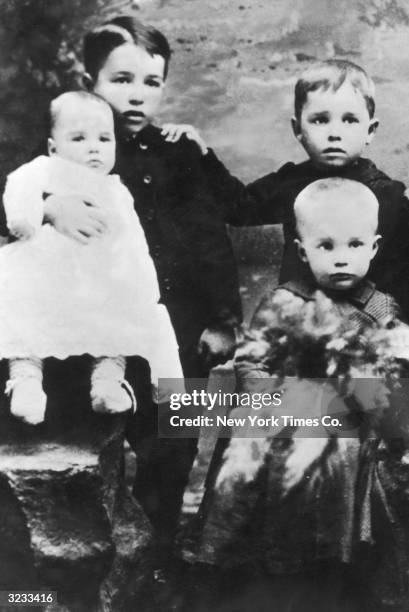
x=67, y=520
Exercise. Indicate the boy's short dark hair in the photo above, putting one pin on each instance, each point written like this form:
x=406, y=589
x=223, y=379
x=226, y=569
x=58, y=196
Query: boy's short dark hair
x=333, y=74
x=101, y=41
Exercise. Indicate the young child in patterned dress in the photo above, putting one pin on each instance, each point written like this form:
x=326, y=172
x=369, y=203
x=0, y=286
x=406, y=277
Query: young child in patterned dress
x=288, y=501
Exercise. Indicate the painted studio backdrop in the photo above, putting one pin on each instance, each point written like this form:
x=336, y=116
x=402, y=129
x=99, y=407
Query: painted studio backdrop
x=232, y=75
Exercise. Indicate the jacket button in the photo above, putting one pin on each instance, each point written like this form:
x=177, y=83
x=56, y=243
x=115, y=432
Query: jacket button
x=147, y=179
x=150, y=214
x=143, y=146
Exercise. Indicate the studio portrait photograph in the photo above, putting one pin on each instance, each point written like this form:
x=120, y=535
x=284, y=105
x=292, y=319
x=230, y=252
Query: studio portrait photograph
x=204, y=305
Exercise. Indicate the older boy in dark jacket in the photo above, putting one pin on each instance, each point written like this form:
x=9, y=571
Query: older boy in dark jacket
x=126, y=64
x=188, y=241
x=199, y=286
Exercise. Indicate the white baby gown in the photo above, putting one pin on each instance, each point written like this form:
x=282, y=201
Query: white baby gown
x=60, y=297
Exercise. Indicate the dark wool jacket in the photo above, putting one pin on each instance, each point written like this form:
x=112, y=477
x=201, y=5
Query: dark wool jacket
x=270, y=200
x=186, y=233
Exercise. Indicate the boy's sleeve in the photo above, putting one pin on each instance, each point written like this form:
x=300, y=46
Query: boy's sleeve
x=210, y=251
x=258, y=203
x=23, y=194
x=390, y=269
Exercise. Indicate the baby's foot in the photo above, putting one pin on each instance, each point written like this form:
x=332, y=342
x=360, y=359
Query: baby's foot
x=110, y=396
x=28, y=400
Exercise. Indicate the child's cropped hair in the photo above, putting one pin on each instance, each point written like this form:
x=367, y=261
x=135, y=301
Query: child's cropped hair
x=100, y=42
x=333, y=74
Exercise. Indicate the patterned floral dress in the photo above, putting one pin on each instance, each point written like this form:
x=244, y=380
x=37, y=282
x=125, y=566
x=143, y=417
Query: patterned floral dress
x=281, y=502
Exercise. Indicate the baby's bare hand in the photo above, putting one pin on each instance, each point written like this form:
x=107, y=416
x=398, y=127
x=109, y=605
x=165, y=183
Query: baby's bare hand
x=174, y=131
x=76, y=217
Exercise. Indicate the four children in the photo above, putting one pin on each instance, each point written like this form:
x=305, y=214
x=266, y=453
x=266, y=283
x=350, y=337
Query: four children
x=328, y=206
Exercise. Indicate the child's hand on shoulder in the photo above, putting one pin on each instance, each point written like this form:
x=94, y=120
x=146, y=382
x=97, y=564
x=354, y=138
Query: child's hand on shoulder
x=174, y=131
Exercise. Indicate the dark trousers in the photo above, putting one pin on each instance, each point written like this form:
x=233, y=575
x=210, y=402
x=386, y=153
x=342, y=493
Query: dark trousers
x=164, y=464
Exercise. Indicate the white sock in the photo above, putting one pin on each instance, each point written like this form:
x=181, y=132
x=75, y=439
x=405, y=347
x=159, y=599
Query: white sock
x=28, y=400
x=109, y=392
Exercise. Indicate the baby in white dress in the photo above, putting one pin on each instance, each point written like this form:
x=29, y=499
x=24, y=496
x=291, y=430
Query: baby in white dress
x=61, y=297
